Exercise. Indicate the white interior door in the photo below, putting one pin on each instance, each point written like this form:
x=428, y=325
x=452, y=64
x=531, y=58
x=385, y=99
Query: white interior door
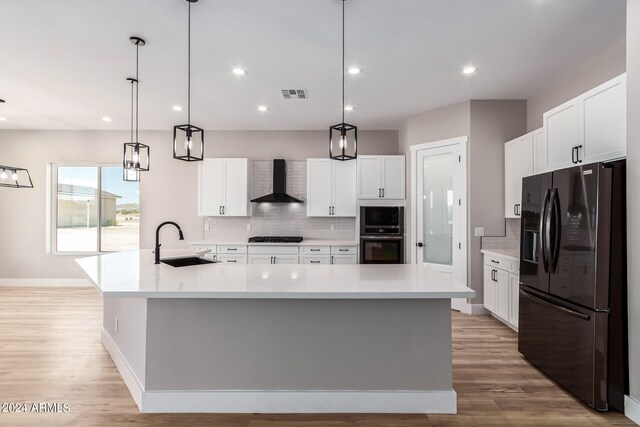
x=439, y=211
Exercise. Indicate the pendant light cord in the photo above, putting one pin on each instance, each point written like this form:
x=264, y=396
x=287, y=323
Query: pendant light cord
x=137, y=97
x=131, y=110
x=189, y=67
x=343, y=60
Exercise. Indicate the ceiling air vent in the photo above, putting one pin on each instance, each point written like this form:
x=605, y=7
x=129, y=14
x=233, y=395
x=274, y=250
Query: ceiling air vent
x=294, y=93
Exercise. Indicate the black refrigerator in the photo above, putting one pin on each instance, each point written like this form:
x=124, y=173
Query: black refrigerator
x=573, y=306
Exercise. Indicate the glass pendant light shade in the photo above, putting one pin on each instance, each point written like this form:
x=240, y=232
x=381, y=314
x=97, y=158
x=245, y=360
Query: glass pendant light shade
x=130, y=175
x=343, y=142
x=343, y=137
x=188, y=140
x=188, y=143
x=14, y=177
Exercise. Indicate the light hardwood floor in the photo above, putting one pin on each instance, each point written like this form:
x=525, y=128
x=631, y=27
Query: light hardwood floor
x=50, y=351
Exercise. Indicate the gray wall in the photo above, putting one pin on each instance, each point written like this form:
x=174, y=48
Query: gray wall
x=488, y=124
x=433, y=125
x=492, y=124
x=168, y=191
x=633, y=195
x=603, y=67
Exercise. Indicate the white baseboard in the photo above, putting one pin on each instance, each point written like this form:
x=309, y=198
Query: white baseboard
x=473, y=309
x=128, y=376
x=290, y=402
x=632, y=409
x=276, y=401
x=47, y=283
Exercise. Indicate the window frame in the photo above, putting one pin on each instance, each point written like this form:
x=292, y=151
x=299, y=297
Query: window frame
x=52, y=204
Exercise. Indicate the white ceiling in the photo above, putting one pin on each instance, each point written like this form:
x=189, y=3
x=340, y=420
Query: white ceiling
x=63, y=63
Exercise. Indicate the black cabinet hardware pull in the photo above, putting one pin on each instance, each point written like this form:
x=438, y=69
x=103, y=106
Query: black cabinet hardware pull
x=495, y=262
x=315, y=262
x=383, y=192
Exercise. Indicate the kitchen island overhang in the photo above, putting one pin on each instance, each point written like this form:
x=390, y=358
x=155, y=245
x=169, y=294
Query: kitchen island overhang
x=278, y=338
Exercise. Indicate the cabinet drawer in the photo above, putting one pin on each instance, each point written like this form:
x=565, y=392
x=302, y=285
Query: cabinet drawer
x=496, y=262
x=315, y=250
x=273, y=250
x=344, y=250
x=232, y=249
x=233, y=259
x=314, y=259
x=344, y=259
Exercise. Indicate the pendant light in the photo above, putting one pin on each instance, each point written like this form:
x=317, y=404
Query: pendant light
x=13, y=177
x=343, y=137
x=136, y=155
x=188, y=140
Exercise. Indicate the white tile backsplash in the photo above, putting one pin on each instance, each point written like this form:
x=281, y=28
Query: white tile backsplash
x=283, y=219
x=511, y=239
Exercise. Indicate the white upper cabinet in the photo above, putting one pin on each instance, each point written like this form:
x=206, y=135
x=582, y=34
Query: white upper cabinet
x=604, y=111
x=223, y=187
x=589, y=128
x=539, y=152
x=381, y=177
x=331, y=188
x=518, y=163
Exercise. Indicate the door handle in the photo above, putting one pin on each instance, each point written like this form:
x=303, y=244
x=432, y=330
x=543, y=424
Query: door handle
x=578, y=154
x=224, y=210
x=220, y=210
x=518, y=211
x=515, y=211
x=573, y=155
x=542, y=233
x=555, y=206
x=315, y=262
x=419, y=244
x=331, y=259
x=379, y=192
x=383, y=192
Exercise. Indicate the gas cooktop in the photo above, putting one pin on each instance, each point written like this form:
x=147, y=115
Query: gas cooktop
x=275, y=239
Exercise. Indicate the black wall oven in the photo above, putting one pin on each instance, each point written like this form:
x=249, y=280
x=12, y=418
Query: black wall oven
x=381, y=235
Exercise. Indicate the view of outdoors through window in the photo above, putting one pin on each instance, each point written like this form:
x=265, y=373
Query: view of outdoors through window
x=83, y=215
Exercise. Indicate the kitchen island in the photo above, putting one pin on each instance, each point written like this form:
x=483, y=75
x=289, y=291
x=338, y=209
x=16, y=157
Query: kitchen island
x=278, y=338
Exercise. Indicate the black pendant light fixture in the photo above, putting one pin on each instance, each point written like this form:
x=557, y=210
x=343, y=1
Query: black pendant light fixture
x=14, y=177
x=343, y=137
x=136, y=155
x=188, y=140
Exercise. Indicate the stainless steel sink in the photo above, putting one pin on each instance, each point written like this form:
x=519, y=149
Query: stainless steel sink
x=187, y=261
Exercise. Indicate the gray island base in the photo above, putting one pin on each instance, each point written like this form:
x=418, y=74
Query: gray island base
x=274, y=351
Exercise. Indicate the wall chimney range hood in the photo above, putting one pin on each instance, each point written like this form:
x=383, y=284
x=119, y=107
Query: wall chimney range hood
x=279, y=194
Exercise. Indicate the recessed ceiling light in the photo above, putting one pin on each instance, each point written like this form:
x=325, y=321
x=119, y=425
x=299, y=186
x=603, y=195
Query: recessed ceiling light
x=355, y=70
x=3, y=119
x=348, y=108
x=177, y=108
x=262, y=108
x=469, y=70
x=106, y=119
x=239, y=72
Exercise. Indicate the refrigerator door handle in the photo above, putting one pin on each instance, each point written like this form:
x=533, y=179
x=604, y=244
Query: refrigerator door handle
x=548, y=231
x=555, y=205
x=557, y=307
x=543, y=240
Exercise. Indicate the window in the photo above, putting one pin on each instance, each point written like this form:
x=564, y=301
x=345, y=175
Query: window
x=94, y=209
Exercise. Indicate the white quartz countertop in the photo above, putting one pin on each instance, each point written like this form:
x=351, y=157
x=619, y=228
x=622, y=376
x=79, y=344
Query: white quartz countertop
x=512, y=254
x=309, y=242
x=133, y=274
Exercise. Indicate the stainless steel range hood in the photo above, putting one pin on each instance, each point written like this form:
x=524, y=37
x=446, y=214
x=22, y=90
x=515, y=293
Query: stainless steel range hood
x=279, y=194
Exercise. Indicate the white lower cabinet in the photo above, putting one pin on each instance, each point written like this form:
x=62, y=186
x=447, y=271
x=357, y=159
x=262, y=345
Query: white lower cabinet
x=273, y=259
x=314, y=259
x=501, y=289
x=232, y=259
